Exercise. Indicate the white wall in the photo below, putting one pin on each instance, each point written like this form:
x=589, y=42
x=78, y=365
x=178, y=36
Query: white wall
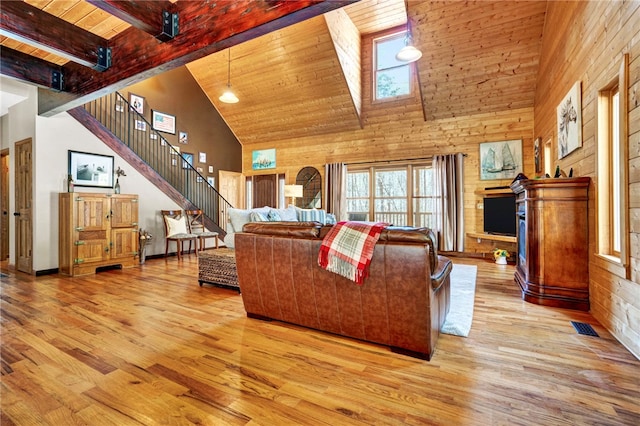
x=52, y=138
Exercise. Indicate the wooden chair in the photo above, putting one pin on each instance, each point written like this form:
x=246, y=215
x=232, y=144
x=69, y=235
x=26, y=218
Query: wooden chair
x=176, y=228
x=196, y=227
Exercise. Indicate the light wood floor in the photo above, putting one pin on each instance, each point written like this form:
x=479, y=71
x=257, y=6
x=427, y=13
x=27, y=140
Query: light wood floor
x=149, y=346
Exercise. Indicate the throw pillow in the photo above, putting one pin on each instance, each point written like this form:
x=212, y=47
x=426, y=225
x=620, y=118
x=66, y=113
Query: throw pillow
x=311, y=215
x=259, y=217
x=238, y=217
x=273, y=216
x=175, y=226
x=288, y=215
x=331, y=219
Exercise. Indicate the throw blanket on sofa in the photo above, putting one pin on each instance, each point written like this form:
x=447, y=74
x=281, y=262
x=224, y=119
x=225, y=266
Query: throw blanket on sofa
x=348, y=247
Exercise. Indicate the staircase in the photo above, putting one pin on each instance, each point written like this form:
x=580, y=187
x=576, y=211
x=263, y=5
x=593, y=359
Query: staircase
x=112, y=120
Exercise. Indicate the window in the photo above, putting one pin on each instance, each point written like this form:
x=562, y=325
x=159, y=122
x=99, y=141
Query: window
x=611, y=167
x=392, y=78
x=401, y=195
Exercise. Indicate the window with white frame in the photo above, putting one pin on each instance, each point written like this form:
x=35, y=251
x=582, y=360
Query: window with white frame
x=391, y=78
x=401, y=195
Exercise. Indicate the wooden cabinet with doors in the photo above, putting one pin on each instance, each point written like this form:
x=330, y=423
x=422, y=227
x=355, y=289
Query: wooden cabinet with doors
x=553, y=241
x=97, y=230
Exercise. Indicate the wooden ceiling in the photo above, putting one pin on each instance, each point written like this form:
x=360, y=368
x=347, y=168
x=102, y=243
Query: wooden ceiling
x=301, y=73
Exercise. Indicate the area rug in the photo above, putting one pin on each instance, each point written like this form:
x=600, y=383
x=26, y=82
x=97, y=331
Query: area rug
x=463, y=290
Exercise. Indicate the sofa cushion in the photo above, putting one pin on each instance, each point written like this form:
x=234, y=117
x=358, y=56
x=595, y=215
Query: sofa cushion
x=259, y=217
x=311, y=215
x=273, y=216
x=287, y=215
x=286, y=229
x=238, y=217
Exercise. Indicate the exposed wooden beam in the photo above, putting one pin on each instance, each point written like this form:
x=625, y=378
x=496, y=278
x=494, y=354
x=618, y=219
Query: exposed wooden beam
x=143, y=15
x=205, y=28
x=24, y=67
x=30, y=25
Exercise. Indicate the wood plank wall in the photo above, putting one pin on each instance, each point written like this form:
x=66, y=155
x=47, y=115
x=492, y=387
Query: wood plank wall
x=585, y=41
x=397, y=130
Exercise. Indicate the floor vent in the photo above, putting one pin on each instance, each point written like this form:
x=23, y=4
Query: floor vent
x=583, y=328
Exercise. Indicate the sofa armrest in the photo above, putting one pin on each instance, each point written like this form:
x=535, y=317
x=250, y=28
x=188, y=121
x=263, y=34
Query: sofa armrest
x=441, y=272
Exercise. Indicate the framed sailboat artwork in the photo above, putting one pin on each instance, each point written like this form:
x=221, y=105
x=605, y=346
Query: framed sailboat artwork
x=501, y=160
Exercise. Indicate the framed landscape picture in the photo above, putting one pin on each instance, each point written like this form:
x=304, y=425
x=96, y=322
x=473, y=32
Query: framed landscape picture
x=163, y=122
x=263, y=159
x=88, y=169
x=500, y=160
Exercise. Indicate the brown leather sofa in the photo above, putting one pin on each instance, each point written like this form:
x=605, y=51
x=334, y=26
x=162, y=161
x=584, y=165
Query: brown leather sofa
x=402, y=304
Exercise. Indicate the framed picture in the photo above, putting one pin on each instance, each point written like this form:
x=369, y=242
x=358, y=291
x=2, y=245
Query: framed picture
x=202, y=157
x=88, y=169
x=153, y=136
x=210, y=169
x=174, y=162
x=536, y=154
x=119, y=107
x=500, y=160
x=188, y=160
x=163, y=122
x=141, y=125
x=199, y=179
x=175, y=150
x=569, y=115
x=137, y=103
x=183, y=138
x=263, y=159
x=211, y=181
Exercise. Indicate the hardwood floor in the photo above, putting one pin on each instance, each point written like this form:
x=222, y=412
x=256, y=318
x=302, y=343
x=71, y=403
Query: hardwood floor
x=149, y=346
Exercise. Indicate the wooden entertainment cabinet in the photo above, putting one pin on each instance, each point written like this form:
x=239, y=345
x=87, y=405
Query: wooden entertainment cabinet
x=552, y=266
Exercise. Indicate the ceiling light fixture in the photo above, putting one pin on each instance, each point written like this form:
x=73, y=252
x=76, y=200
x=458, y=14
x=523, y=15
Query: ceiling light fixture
x=228, y=97
x=409, y=53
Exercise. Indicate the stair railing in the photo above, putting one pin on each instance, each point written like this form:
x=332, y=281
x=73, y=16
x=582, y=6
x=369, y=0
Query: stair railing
x=131, y=127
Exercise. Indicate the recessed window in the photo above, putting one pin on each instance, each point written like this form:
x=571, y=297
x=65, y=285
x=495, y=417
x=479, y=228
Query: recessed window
x=612, y=180
x=392, y=78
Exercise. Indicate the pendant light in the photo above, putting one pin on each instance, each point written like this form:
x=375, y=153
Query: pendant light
x=409, y=53
x=228, y=97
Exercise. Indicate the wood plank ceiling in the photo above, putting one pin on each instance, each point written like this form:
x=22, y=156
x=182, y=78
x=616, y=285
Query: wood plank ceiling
x=479, y=57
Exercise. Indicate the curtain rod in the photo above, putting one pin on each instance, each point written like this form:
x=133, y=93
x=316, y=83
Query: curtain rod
x=395, y=161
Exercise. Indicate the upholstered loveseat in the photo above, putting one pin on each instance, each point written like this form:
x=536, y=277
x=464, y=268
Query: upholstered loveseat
x=402, y=304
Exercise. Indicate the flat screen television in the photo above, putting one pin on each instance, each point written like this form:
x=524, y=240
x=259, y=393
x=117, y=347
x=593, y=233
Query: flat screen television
x=500, y=215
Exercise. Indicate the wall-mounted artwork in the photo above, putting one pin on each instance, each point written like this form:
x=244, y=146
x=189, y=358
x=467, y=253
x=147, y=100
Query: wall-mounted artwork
x=263, y=159
x=500, y=160
x=202, y=157
x=536, y=154
x=188, y=160
x=141, y=125
x=163, y=122
x=569, y=114
x=137, y=103
x=88, y=169
x=184, y=138
x=211, y=181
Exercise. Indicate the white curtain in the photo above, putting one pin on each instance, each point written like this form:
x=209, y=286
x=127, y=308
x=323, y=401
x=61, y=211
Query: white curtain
x=448, y=182
x=335, y=189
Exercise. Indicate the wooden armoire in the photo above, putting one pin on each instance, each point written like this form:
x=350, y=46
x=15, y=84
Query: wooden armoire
x=97, y=230
x=553, y=241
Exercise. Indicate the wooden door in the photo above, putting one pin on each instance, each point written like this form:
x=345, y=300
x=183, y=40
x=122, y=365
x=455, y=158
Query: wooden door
x=124, y=211
x=92, y=214
x=124, y=243
x=265, y=190
x=23, y=205
x=231, y=188
x=4, y=201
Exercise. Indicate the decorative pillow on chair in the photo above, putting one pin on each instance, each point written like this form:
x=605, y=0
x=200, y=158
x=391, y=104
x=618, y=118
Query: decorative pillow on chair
x=175, y=226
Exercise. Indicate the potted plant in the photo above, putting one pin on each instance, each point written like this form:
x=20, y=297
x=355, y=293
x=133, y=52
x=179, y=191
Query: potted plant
x=500, y=255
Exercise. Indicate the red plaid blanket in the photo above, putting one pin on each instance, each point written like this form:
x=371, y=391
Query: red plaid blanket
x=348, y=247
